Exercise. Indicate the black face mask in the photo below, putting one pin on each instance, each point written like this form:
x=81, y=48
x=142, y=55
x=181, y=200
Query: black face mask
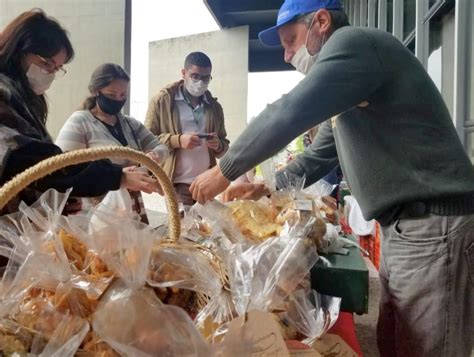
x=108, y=105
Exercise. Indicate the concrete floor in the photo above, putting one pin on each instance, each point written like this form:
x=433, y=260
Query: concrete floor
x=365, y=324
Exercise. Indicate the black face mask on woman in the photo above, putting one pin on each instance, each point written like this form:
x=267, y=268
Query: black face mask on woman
x=108, y=105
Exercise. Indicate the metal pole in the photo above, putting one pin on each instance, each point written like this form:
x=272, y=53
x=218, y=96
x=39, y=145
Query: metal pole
x=363, y=13
x=461, y=47
x=357, y=13
x=421, y=32
x=382, y=25
x=371, y=13
x=398, y=19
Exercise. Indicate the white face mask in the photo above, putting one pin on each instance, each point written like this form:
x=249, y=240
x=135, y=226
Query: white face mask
x=40, y=80
x=195, y=88
x=302, y=60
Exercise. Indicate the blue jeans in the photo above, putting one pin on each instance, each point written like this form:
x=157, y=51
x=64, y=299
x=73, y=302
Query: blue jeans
x=427, y=278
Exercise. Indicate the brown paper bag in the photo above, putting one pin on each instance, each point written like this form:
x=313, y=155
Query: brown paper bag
x=256, y=334
x=330, y=345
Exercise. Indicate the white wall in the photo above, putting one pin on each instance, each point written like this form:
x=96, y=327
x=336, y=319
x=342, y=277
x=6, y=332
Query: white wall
x=228, y=51
x=96, y=29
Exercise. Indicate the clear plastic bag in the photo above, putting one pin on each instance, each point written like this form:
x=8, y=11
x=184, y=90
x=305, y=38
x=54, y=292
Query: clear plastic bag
x=14, y=338
x=182, y=274
x=119, y=203
x=291, y=182
x=268, y=169
x=60, y=337
x=223, y=230
x=50, y=332
x=38, y=252
x=262, y=276
x=183, y=267
x=319, y=189
x=254, y=219
x=219, y=310
x=34, y=229
x=338, y=244
x=66, y=338
x=312, y=314
x=136, y=323
x=125, y=245
x=17, y=281
x=320, y=192
x=57, y=256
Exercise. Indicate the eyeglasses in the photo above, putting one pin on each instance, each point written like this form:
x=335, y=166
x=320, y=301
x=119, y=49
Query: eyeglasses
x=198, y=77
x=50, y=66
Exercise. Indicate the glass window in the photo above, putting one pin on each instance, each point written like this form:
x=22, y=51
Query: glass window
x=409, y=17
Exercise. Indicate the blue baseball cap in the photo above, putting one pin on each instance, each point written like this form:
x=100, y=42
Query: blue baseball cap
x=289, y=11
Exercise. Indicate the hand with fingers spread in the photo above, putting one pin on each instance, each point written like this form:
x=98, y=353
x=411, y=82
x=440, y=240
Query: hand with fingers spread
x=245, y=191
x=208, y=185
x=189, y=141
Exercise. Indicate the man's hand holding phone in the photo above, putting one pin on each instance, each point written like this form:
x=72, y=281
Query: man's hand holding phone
x=213, y=142
x=189, y=141
x=205, y=136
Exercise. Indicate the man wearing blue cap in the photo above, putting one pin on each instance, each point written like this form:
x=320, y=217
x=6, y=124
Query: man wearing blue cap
x=383, y=119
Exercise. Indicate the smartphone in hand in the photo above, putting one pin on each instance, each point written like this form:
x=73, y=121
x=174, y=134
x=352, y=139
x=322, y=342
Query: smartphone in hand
x=205, y=136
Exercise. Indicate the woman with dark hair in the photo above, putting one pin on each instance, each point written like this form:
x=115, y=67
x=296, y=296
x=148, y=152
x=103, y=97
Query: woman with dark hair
x=33, y=50
x=100, y=123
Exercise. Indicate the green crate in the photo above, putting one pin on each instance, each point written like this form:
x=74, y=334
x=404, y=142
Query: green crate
x=347, y=278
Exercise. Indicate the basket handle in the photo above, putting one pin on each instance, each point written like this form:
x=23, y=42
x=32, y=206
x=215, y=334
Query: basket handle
x=52, y=164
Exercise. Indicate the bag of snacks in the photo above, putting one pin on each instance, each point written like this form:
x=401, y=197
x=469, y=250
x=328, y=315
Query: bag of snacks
x=262, y=276
x=136, y=323
x=182, y=275
x=311, y=314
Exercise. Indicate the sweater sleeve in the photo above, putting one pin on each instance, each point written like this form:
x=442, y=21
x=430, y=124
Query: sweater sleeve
x=87, y=180
x=72, y=135
x=147, y=140
x=317, y=160
x=348, y=71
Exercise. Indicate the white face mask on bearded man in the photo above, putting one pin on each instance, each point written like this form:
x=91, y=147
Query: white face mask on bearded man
x=302, y=60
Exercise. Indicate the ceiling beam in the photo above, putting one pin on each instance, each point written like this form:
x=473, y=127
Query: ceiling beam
x=249, y=5
x=268, y=61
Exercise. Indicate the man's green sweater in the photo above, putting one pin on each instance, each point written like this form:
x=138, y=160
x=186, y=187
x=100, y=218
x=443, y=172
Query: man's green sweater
x=389, y=127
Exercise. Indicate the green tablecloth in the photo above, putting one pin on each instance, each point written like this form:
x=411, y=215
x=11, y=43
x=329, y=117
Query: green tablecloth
x=347, y=277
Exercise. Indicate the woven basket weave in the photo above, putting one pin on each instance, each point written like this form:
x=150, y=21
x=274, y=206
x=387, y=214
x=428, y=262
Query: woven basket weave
x=52, y=164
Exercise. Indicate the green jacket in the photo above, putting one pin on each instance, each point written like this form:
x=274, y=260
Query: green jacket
x=163, y=120
x=389, y=129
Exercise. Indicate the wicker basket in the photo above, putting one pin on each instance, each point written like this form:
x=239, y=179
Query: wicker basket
x=52, y=164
